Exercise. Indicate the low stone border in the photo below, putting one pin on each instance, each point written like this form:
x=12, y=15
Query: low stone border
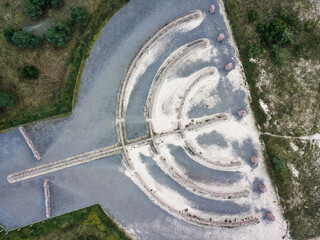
x=30, y=143
x=203, y=73
x=208, y=221
x=167, y=166
x=165, y=68
x=207, y=161
x=187, y=18
x=62, y=164
x=47, y=197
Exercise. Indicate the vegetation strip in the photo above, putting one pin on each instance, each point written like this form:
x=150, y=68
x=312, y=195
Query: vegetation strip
x=279, y=48
x=67, y=97
x=87, y=223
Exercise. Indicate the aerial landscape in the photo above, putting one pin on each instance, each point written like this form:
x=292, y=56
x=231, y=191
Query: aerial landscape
x=160, y=119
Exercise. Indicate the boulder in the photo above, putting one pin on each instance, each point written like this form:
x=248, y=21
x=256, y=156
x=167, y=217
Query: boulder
x=212, y=9
x=254, y=160
x=220, y=37
x=262, y=188
x=271, y=217
x=229, y=66
x=242, y=113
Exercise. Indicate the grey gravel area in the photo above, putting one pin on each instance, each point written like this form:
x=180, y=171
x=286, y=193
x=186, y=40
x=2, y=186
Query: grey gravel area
x=92, y=126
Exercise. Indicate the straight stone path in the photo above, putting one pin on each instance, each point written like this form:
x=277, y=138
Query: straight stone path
x=97, y=154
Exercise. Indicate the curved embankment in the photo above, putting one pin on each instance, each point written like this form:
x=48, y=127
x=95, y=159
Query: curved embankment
x=201, y=157
x=169, y=166
x=196, y=79
x=202, y=218
x=178, y=55
x=122, y=100
x=166, y=165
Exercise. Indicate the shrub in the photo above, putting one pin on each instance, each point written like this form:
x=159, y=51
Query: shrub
x=314, y=41
x=300, y=51
x=288, y=18
x=29, y=72
x=253, y=51
x=59, y=34
x=26, y=40
x=310, y=26
x=278, y=164
x=276, y=54
x=253, y=15
x=38, y=2
x=262, y=27
x=56, y=3
x=34, y=10
x=275, y=32
x=8, y=99
x=292, y=20
x=8, y=33
x=79, y=16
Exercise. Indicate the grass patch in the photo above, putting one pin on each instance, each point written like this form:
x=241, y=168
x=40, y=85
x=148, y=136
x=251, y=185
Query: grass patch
x=298, y=196
x=289, y=84
x=89, y=223
x=52, y=94
x=292, y=95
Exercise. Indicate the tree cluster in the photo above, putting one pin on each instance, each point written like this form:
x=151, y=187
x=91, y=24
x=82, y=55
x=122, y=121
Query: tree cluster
x=29, y=72
x=275, y=32
x=21, y=38
x=62, y=32
x=253, y=16
x=79, y=16
x=8, y=100
x=36, y=8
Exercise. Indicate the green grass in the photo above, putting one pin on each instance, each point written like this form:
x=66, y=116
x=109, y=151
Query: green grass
x=54, y=99
x=105, y=10
x=290, y=98
x=289, y=91
x=298, y=196
x=89, y=223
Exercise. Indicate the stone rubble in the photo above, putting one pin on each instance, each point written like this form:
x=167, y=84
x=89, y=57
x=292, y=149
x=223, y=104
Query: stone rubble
x=30, y=143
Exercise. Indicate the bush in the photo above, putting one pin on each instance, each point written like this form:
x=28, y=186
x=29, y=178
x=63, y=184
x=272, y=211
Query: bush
x=79, y=16
x=8, y=99
x=314, y=41
x=262, y=27
x=253, y=51
x=288, y=18
x=38, y=2
x=8, y=33
x=276, y=54
x=310, y=26
x=56, y=3
x=26, y=40
x=29, y=72
x=302, y=51
x=287, y=37
x=253, y=15
x=275, y=32
x=34, y=10
x=278, y=164
x=59, y=34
